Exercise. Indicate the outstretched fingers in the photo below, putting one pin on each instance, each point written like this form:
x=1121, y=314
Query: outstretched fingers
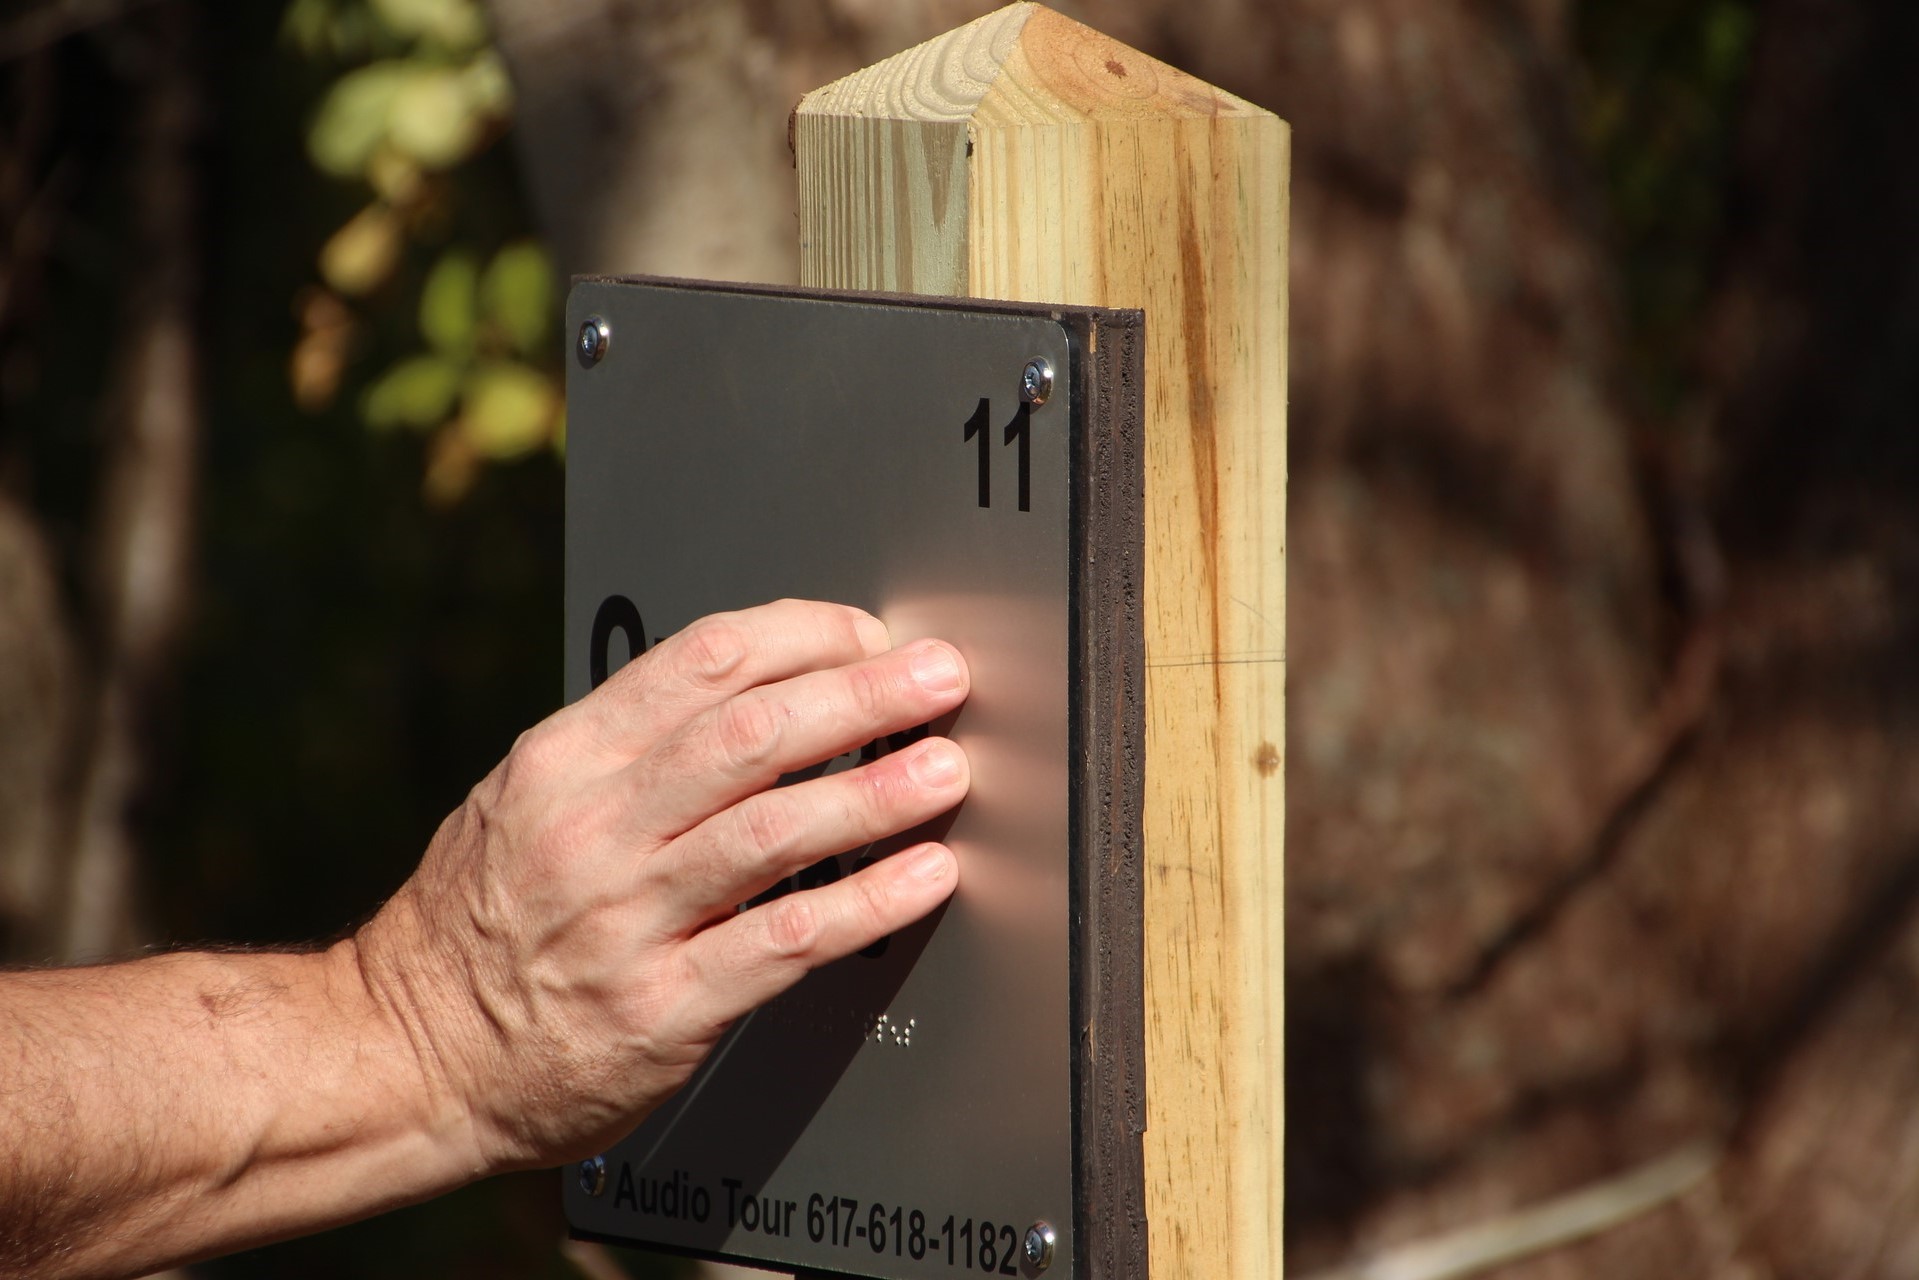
x=719, y=657
x=744, y=850
x=741, y=963
x=743, y=745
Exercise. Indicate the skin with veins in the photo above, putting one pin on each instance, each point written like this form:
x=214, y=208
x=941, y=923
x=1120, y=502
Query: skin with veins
x=565, y=956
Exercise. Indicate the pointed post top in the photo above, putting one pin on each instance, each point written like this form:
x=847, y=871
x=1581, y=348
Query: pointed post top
x=1026, y=156
x=1024, y=64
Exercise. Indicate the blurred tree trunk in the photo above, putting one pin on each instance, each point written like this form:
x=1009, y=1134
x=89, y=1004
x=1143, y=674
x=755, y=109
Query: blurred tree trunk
x=653, y=132
x=36, y=698
x=84, y=678
x=1812, y=790
x=36, y=641
x=146, y=516
x=1604, y=795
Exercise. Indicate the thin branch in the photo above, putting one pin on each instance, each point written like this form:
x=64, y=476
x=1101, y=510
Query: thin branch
x=1641, y=775
x=1587, y=1212
x=594, y=1261
x=1853, y=953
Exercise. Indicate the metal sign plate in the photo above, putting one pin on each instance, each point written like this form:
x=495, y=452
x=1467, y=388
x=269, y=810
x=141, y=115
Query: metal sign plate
x=911, y=1113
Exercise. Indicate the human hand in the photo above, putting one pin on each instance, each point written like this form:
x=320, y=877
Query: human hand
x=569, y=950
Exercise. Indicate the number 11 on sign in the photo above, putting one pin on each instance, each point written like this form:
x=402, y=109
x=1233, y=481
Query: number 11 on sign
x=1019, y=429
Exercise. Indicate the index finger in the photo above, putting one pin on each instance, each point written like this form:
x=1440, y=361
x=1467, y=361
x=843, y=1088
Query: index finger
x=719, y=656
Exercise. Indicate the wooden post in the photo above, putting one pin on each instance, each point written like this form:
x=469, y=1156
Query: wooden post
x=1027, y=157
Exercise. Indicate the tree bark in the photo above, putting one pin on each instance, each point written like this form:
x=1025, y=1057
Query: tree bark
x=148, y=494
x=1812, y=788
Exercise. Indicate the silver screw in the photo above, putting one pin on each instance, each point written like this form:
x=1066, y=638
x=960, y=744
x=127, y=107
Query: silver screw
x=1036, y=380
x=594, y=335
x=593, y=1176
x=1039, y=1246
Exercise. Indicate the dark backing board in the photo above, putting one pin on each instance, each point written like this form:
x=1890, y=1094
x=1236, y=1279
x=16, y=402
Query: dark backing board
x=983, y=1071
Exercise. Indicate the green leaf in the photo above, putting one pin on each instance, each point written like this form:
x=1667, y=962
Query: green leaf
x=417, y=392
x=1728, y=42
x=454, y=25
x=516, y=294
x=509, y=410
x=488, y=84
x=433, y=117
x=448, y=304
x=307, y=25
x=353, y=118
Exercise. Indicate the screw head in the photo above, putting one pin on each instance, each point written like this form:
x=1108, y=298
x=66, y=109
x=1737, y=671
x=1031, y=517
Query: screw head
x=1036, y=381
x=1038, y=1246
x=593, y=1176
x=594, y=335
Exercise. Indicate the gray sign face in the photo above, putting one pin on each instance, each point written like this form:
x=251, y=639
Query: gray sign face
x=908, y=1113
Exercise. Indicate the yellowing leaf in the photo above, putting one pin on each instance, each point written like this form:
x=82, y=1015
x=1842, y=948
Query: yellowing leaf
x=352, y=120
x=394, y=178
x=434, y=119
x=359, y=257
x=516, y=294
x=509, y=410
x=417, y=392
x=451, y=468
x=448, y=308
x=319, y=357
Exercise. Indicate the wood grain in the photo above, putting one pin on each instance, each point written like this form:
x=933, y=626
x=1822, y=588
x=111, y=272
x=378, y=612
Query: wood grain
x=1027, y=157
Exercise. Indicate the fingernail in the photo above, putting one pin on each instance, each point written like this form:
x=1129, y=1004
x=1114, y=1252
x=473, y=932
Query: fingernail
x=874, y=637
x=930, y=862
x=936, y=669
x=934, y=765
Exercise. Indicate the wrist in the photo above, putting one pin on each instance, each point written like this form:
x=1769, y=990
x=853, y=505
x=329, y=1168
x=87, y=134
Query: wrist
x=406, y=1004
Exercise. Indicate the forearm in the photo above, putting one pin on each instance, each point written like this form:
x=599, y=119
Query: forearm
x=568, y=952
x=196, y=1103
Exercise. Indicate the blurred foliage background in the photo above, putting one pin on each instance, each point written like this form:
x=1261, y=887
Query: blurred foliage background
x=374, y=579
x=1600, y=577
